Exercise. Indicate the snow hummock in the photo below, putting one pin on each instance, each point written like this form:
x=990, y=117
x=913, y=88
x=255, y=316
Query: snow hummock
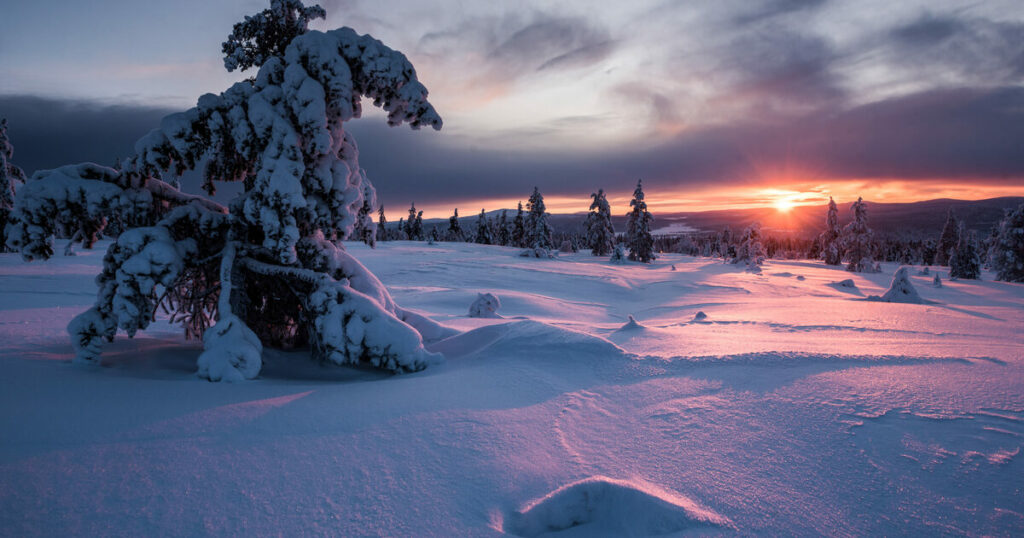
x=901, y=290
x=631, y=325
x=601, y=506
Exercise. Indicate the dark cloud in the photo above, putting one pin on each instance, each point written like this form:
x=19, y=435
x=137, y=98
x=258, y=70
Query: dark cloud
x=963, y=135
x=988, y=51
x=775, y=8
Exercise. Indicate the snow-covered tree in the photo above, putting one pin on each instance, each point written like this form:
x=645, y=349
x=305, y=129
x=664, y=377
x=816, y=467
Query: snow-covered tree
x=9, y=175
x=600, y=233
x=266, y=34
x=726, y=248
x=638, y=228
x=400, y=230
x=483, y=229
x=519, y=228
x=382, y=225
x=618, y=256
x=504, y=235
x=414, y=225
x=1007, y=251
x=901, y=290
x=829, y=240
x=750, y=250
x=454, y=228
x=948, y=240
x=364, y=229
x=268, y=267
x=857, y=240
x=538, y=231
x=965, y=263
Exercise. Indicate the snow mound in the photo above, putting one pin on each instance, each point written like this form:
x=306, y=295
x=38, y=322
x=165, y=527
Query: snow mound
x=600, y=506
x=847, y=286
x=631, y=325
x=901, y=290
x=525, y=339
x=700, y=316
x=486, y=305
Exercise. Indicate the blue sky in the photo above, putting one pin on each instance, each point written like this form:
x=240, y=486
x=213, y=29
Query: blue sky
x=710, y=102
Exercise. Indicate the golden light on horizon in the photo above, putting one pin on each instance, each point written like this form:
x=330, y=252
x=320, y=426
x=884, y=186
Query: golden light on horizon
x=784, y=204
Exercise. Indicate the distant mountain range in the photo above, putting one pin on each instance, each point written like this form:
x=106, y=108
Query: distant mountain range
x=914, y=219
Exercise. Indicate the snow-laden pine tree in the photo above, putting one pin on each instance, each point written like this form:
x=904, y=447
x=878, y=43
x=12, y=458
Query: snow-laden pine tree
x=382, y=225
x=831, y=249
x=364, y=229
x=9, y=175
x=857, y=240
x=519, y=228
x=483, y=229
x=965, y=263
x=726, y=248
x=638, y=228
x=414, y=225
x=600, y=233
x=750, y=250
x=503, y=236
x=268, y=267
x=948, y=240
x=454, y=228
x=1007, y=251
x=537, y=232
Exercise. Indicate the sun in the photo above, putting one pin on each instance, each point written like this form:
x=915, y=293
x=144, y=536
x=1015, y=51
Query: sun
x=784, y=204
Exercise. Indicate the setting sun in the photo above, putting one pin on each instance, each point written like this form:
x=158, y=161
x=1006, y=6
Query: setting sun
x=784, y=204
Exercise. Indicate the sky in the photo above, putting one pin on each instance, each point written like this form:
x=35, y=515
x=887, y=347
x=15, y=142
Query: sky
x=713, y=104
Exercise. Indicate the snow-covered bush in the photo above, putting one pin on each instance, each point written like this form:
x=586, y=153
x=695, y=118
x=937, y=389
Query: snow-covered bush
x=618, y=254
x=965, y=263
x=829, y=240
x=638, y=228
x=9, y=175
x=270, y=264
x=600, y=233
x=901, y=290
x=486, y=305
x=1007, y=251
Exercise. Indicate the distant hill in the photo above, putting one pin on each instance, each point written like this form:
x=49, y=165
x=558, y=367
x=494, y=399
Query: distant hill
x=915, y=219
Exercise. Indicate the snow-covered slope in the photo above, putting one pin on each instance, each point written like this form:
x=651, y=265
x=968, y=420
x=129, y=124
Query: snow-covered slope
x=793, y=407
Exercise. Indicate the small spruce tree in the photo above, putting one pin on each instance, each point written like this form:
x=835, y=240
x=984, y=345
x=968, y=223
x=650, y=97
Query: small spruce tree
x=857, y=240
x=9, y=175
x=364, y=229
x=454, y=228
x=948, y=240
x=638, y=228
x=965, y=263
x=600, y=233
x=483, y=229
x=519, y=228
x=831, y=250
x=1006, y=254
x=382, y=225
x=538, y=231
x=503, y=236
x=751, y=250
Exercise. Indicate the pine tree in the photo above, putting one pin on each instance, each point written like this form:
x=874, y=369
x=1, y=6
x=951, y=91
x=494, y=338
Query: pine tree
x=727, y=250
x=483, y=229
x=638, y=228
x=9, y=174
x=365, y=230
x=600, y=233
x=417, y=226
x=382, y=225
x=965, y=263
x=503, y=236
x=948, y=240
x=831, y=250
x=400, y=230
x=268, y=267
x=751, y=250
x=538, y=231
x=410, y=224
x=519, y=228
x=454, y=228
x=1007, y=252
x=857, y=240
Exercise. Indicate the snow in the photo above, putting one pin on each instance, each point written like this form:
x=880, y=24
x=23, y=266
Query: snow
x=792, y=408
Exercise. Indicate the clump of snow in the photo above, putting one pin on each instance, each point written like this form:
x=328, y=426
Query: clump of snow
x=600, y=506
x=700, y=316
x=538, y=252
x=231, y=352
x=937, y=282
x=801, y=277
x=673, y=267
x=848, y=283
x=618, y=254
x=631, y=324
x=486, y=305
x=901, y=290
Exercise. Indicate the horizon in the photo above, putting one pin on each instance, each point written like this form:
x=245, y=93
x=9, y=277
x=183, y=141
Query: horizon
x=738, y=105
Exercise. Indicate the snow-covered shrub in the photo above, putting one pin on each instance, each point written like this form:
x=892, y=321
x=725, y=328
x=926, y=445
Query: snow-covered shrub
x=486, y=305
x=901, y=290
x=9, y=175
x=638, y=228
x=965, y=262
x=600, y=233
x=829, y=240
x=1007, y=251
x=618, y=254
x=270, y=264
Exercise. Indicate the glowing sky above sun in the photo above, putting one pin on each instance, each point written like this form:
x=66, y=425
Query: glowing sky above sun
x=713, y=104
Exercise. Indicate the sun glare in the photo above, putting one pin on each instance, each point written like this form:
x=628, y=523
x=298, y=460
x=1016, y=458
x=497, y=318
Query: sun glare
x=784, y=204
